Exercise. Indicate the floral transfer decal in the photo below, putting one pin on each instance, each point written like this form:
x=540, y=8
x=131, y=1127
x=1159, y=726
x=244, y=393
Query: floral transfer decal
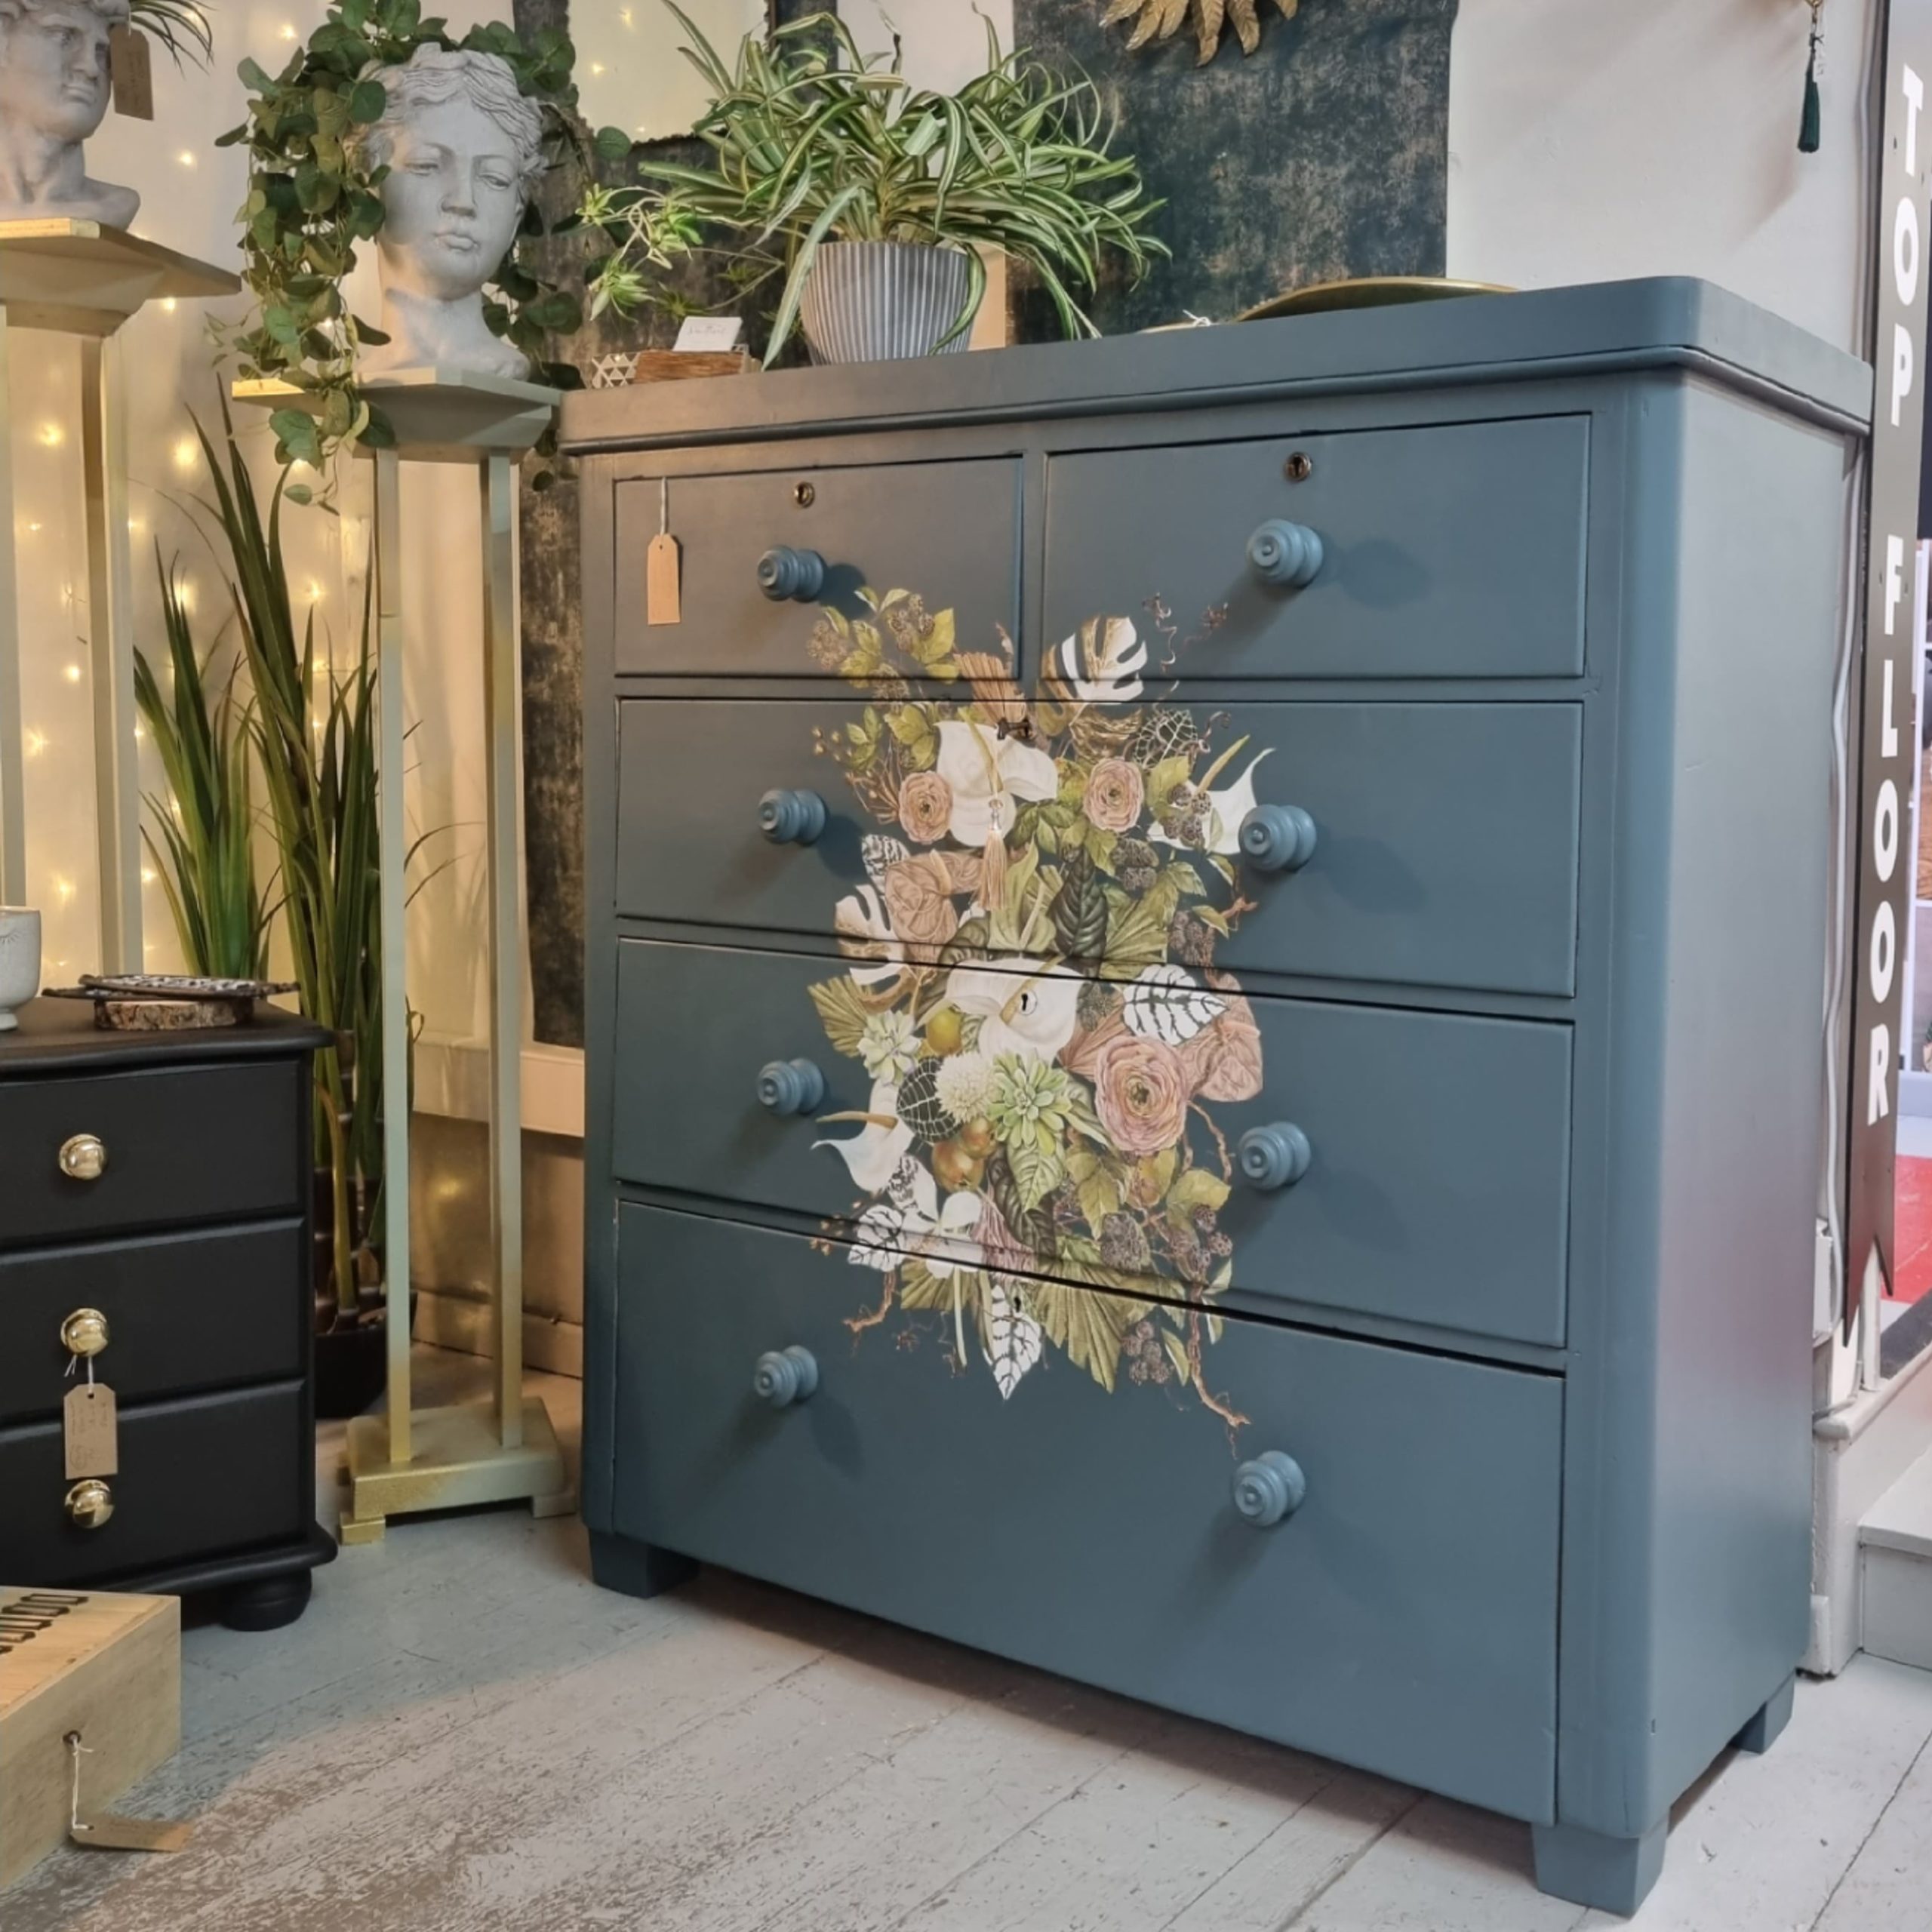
x=1034, y=998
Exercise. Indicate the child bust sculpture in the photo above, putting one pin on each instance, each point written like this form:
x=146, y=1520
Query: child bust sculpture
x=53, y=91
x=463, y=150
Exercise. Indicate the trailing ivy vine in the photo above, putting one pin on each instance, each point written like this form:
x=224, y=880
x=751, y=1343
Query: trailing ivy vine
x=311, y=203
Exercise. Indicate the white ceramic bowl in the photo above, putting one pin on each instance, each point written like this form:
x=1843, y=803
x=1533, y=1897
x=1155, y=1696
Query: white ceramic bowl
x=20, y=961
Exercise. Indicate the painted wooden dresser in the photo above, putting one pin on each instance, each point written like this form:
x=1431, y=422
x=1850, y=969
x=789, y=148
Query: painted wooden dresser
x=155, y=1237
x=1205, y=957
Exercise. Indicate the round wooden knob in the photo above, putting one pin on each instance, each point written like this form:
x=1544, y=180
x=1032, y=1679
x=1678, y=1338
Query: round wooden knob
x=1286, y=553
x=1277, y=1155
x=791, y=818
x=90, y=1504
x=1269, y=1488
x=1278, y=839
x=784, y=1375
x=83, y=1156
x=84, y=1332
x=790, y=1086
x=784, y=573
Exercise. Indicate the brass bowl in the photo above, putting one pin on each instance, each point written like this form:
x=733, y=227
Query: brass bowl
x=1372, y=292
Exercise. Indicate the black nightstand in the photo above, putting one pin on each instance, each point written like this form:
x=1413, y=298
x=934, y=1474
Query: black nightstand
x=162, y=1182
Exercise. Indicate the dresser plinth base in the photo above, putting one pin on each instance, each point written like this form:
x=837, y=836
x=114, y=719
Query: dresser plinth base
x=1767, y=1725
x=1614, y=1874
x=459, y=1462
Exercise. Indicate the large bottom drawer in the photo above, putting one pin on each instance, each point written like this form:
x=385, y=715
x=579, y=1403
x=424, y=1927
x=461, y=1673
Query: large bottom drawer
x=197, y=1477
x=1403, y=1617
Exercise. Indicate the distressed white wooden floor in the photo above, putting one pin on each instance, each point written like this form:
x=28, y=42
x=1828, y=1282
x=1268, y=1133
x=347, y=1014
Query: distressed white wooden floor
x=464, y=1735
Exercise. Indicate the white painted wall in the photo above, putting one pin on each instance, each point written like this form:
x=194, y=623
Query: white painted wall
x=1590, y=142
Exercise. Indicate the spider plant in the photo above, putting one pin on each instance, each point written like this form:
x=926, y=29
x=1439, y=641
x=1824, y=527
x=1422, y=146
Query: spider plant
x=179, y=25
x=812, y=141
x=202, y=837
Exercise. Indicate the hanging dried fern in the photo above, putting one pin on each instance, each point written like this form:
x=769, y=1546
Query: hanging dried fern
x=1162, y=19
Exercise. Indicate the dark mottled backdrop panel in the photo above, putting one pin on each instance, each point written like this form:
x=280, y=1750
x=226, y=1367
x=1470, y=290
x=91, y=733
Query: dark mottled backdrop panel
x=1323, y=154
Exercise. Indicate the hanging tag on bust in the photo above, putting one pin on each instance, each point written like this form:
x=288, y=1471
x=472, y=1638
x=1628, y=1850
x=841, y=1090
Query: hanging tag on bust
x=133, y=76
x=661, y=562
x=87, y=1421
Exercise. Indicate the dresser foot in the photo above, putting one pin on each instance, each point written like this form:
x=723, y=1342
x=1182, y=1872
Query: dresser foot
x=269, y=1603
x=1614, y=1874
x=1763, y=1730
x=636, y=1569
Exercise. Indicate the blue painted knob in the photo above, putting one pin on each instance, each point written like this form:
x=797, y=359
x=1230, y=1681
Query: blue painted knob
x=1278, y=839
x=783, y=572
x=1273, y=1156
x=791, y=818
x=1284, y=553
x=790, y=1086
x=1269, y=1488
x=784, y=1375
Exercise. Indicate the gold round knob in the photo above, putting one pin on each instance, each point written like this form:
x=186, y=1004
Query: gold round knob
x=84, y=1332
x=90, y=1503
x=83, y=1157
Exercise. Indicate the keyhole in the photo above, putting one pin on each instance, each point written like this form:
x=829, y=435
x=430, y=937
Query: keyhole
x=804, y=495
x=1299, y=467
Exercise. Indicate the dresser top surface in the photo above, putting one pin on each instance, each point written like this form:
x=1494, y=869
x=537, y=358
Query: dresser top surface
x=1599, y=328
x=59, y=1036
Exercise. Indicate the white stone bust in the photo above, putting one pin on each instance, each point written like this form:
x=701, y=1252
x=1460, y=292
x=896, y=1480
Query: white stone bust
x=463, y=149
x=53, y=90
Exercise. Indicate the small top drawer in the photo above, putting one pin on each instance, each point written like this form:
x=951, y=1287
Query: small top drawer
x=1455, y=552
x=948, y=530
x=177, y=1145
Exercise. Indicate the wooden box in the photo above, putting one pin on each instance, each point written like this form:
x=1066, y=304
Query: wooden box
x=109, y=1667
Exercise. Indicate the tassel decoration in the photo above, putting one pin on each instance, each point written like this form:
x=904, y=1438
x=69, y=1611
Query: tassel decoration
x=1808, y=121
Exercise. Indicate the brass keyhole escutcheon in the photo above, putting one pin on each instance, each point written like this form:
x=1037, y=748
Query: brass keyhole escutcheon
x=83, y=1156
x=90, y=1503
x=1300, y=467
x=84, y=1332
x=805, y=495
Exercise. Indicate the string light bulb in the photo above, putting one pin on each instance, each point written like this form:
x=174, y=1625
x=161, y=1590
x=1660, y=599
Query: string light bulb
x=52, y=435
x=35, y=742
x=72, y=674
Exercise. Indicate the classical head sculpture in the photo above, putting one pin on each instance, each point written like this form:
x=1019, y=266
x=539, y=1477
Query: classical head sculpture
x=463, y=149
x=53, y=90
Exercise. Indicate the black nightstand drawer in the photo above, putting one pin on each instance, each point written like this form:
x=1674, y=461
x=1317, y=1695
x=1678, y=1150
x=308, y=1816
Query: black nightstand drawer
x=182, y=1144
x=212, y=1474
x=185, y=1313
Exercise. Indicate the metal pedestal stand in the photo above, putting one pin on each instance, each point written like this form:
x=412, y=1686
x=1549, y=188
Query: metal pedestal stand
x=79, y=279
x=503, y=1449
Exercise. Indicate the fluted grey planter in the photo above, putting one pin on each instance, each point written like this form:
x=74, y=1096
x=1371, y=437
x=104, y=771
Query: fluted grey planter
x=882, y=301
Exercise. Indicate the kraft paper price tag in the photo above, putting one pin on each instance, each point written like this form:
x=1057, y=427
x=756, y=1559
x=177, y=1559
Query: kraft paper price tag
x=129, y=68
x=661, y=560
x=88, y=1423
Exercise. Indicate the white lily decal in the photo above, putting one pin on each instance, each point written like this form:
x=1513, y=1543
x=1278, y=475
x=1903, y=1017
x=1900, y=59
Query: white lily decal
x=910, y=1221
x=1101, y=664
x=1226, y=808
x=863, y=926
x=986, y=773
x=874, y=1153
x=1031, y=1010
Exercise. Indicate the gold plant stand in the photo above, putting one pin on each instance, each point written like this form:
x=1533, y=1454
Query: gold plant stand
x=79, y=279
x=502, y=1449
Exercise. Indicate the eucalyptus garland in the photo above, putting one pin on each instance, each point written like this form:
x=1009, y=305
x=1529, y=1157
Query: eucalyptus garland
x=311, y=202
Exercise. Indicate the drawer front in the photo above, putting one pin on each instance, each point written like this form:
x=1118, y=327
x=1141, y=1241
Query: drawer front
x=1449, y=552
x=185, y=1312
x=1402, y=1618
x=197, y=1477
x=1436, y=1189
x=1444, y=853
x=949, y=531
x=183, y=1145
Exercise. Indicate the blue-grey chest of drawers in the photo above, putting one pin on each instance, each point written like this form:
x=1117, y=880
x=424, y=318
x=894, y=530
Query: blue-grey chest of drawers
x=1205, y=957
